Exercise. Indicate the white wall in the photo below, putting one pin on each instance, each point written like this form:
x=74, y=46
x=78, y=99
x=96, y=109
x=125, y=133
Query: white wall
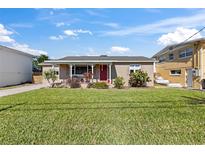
x=15, y=68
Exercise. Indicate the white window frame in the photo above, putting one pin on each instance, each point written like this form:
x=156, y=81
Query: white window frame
x=134, y=67
x=185, y=51
x=169, y=57
x=170, y=73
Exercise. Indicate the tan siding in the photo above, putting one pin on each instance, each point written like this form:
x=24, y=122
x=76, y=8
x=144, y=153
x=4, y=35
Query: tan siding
x=163, y=69
x=122, y=69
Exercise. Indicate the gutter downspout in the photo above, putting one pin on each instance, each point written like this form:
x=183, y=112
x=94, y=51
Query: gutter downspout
x=154, y=66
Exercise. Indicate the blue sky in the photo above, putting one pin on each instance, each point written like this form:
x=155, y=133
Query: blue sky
x=62, y=32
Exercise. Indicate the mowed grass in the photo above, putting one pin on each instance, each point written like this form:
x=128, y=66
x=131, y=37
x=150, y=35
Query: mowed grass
x=88, y=116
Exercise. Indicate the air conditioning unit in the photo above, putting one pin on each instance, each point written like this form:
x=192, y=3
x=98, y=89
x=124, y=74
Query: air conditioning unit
x=196, y=72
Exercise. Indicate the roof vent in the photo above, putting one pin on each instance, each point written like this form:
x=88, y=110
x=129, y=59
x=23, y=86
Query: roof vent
x=103, y=56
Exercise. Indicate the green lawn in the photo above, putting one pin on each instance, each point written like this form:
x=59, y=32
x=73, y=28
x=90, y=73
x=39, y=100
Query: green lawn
x=86, y=116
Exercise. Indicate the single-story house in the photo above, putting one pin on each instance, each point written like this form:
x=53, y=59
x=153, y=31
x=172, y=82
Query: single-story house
x=103, y=68
x=15, y=67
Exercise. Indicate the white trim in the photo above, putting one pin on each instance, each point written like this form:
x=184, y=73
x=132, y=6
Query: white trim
x=110, y=76
x=92, y=71
x=175, y=74
x=154, y=67
x=185, y=57
x=94, y=61
x=201, y=67
x=71, y=70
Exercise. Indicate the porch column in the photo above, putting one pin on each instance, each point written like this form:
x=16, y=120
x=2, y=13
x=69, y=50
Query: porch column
x=71, y=66
x=92, y=71
x=110, y=79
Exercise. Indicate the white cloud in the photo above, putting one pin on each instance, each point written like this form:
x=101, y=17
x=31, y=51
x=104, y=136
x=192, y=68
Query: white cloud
x=4, y=31
x=59, y=24
x=162, y=26
x=95, y=12
x=119, y=49
x=5, y=35
x=75, y=32
x=70, y=33
x=59, y=37
x=179, y=35
x=83, y=31
x=112, y=25
x=5, y=38
x=26, y=48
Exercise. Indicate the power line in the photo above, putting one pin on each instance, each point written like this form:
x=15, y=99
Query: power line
x=194, y=34
x=190, y=36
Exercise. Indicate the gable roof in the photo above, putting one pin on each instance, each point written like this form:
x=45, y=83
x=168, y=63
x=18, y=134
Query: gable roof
x=98, y=59
x=177, y=45
x=15, y=51
x=109, y=58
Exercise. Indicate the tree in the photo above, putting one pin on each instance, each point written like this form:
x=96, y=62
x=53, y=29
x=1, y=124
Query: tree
x=50, y=76
x=138, y=79
x=37, y=60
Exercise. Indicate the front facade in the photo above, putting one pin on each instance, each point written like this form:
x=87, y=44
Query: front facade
x=183, y=64
x=15, y=67
x=102, y=68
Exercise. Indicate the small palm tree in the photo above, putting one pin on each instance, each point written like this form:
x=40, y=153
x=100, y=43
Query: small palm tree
x=50, y=75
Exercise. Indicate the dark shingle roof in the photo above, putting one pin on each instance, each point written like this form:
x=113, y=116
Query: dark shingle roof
x=111, y=58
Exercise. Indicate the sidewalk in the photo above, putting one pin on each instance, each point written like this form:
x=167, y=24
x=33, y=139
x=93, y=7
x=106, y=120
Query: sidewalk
x=17, y=90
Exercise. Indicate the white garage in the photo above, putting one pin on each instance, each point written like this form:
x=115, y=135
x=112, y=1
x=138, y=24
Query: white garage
x=15, y=67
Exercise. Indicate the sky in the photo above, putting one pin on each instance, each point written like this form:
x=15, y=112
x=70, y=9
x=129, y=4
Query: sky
x=118, y=32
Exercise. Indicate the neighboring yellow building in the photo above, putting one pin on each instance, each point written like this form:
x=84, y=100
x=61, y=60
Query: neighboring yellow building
x=183, y=64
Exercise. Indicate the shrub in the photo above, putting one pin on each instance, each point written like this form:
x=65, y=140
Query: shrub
x=74, y=83
x=138, y=79
x=98, y=85
x=50, y=75
x=90, y=85
x=87, y=76
x=119, y=82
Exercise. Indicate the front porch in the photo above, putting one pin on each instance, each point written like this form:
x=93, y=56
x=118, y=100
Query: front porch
x=86, y=72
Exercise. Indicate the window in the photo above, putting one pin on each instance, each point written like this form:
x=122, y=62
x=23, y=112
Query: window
x=175, y=72
x=134, y=67
x=79, y=70
x=182, y=54
x=189, y=52
x=162, y=58
x=171, y=56
x=186, y=53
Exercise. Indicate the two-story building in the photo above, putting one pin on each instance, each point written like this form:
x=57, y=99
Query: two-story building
x=183, y=63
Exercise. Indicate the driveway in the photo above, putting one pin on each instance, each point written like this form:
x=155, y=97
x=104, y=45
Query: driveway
x=17, y=90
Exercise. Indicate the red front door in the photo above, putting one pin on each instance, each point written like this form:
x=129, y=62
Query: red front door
x=103, y=72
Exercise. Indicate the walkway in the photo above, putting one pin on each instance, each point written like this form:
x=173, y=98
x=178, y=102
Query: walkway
x=17, y=90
